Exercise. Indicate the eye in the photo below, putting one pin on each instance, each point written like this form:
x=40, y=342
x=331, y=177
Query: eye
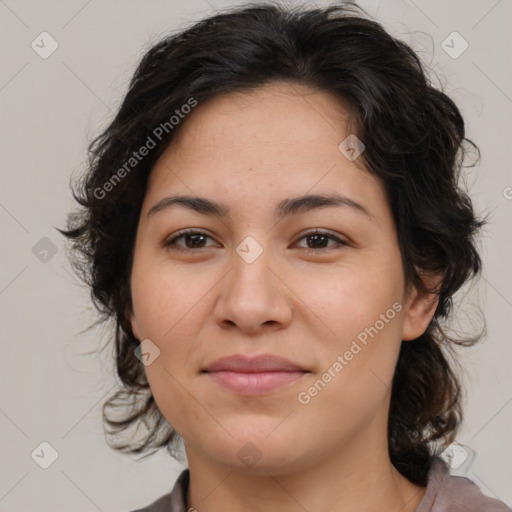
x=195, y=239
x=319, y=238
x=192, y=237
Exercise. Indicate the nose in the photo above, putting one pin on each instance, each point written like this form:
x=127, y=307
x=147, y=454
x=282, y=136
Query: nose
x=253, y=296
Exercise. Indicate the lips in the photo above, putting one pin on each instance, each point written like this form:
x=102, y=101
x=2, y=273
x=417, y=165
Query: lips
x=251, y=376
x=258, y=364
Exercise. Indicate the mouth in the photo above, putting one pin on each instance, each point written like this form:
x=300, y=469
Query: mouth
x=251, y=384
x=251, y=376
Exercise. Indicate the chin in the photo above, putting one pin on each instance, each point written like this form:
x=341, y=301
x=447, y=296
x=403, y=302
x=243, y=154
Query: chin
x=257, y=452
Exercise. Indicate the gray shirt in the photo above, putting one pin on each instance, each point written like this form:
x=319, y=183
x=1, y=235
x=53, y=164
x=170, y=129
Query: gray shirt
x=444, y=493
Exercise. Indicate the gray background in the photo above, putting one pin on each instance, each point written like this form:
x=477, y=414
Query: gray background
x=50, y=108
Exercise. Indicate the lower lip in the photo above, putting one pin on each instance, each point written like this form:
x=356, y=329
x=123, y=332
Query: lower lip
x=254, y=383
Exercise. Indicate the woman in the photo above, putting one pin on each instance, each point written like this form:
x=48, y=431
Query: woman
x=274, y=222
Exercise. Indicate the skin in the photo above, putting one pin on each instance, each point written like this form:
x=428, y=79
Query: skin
x=249, y=151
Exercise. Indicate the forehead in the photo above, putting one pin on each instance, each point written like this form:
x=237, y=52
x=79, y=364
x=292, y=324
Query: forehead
x=276, y=115
x=277, y=140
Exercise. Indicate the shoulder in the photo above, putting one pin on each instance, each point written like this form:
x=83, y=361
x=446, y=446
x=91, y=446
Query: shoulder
x=174, y=501
x=449, y=493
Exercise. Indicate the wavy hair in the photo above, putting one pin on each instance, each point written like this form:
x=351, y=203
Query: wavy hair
x=415, y=142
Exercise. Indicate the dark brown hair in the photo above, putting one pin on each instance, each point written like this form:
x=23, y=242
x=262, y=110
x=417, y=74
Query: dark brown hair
x=415, y=143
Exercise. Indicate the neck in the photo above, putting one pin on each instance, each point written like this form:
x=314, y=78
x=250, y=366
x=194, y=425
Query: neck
x=358, y=478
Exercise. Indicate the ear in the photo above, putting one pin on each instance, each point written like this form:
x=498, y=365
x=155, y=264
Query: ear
x=420, y=308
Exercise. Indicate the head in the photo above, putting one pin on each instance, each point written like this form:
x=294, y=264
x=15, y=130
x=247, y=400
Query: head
x=316, y=170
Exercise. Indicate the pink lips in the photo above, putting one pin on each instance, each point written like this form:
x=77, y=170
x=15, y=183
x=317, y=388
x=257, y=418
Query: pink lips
x=253, y=375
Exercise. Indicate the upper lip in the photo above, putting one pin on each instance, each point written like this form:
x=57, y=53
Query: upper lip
x=257, y=364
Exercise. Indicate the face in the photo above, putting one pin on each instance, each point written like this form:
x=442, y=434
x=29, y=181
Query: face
x=270, y=273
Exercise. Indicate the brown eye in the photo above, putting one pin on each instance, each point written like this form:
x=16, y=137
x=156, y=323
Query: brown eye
x=193, y=239
x=319, y=240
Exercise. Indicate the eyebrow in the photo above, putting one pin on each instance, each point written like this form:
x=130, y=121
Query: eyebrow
x=285, y=208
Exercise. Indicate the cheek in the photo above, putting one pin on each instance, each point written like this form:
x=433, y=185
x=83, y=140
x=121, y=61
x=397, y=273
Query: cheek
x=351, y=299
x=361, y=313
x=164, y=301
x=169, y=323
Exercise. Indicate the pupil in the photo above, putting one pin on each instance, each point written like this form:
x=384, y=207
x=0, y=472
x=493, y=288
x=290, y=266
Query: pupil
x=194, y=237
x=316, y=238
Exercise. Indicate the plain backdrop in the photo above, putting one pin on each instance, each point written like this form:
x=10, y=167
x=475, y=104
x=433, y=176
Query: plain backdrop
x=50, y=109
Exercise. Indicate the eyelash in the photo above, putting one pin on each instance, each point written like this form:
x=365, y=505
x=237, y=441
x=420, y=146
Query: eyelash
x=172, y=242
